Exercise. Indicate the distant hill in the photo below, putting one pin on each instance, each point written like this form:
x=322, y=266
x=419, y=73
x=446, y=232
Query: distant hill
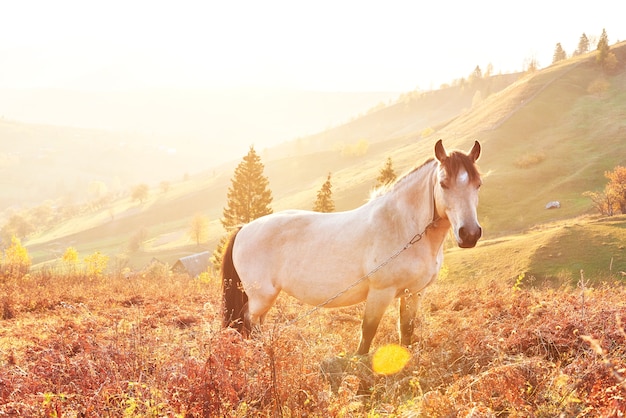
x=40, y=162
x=128, y=137
x=546, y=136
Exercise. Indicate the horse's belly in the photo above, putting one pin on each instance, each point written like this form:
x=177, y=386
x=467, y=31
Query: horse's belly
x=414, y=274
x=326, y=293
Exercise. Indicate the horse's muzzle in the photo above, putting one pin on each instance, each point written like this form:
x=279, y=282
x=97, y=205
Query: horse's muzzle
x=468, y=237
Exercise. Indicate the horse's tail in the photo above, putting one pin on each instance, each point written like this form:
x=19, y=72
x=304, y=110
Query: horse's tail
x=235, y=299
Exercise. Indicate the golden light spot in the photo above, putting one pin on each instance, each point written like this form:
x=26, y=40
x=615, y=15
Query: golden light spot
x=390, y=359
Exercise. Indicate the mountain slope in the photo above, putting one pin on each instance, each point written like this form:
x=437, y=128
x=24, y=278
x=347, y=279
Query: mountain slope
x=545, y=137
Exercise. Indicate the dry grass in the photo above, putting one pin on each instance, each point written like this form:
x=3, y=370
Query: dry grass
x=154, y=347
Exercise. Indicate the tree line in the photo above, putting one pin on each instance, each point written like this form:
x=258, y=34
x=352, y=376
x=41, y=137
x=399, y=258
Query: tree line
x=604, y=57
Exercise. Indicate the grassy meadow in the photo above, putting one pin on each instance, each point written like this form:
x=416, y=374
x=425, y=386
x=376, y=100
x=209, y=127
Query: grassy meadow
x=554, y=253
x=152, y=345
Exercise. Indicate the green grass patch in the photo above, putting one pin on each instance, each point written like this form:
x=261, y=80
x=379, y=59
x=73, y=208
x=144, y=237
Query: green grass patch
x=556, y=254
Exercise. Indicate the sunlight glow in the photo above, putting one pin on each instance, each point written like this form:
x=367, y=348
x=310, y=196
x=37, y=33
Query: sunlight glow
x=325, y=45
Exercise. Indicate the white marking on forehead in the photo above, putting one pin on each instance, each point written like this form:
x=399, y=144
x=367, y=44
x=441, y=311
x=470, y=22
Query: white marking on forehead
x=463, y=177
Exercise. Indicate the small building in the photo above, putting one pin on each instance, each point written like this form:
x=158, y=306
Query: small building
x=193, y=265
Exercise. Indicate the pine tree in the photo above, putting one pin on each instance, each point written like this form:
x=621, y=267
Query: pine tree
x=248, y=198
x=218, y=253
x=559, y=54
x=387, y=174
x=324, y=201
x=603, y=48
x=583, y=45
x=476, y=75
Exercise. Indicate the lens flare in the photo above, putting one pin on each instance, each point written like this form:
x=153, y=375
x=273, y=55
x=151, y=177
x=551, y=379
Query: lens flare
x=390, y=359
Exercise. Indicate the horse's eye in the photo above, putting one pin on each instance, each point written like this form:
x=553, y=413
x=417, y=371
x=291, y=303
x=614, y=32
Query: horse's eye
x=443, y=185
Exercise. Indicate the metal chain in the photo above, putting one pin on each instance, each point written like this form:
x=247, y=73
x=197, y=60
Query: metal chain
x=416, y=238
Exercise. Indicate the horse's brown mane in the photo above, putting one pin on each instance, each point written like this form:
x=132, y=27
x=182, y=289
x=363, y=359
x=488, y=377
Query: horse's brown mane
x=381, y=190
x=458, y=160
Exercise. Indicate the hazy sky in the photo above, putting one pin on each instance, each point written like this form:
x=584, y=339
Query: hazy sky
x=321, y=45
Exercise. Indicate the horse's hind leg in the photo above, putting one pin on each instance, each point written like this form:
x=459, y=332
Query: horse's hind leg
x=409, y=303
x=375, y=306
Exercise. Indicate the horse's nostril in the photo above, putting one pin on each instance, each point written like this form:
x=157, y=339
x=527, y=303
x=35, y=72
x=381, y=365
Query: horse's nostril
x=468, y=235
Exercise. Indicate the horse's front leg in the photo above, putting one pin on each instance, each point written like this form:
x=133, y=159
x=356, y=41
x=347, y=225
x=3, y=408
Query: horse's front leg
x=409, y=303
x=258, y=305
x=375, y=306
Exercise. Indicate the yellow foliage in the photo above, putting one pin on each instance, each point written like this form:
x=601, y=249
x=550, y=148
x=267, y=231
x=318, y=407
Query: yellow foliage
x=355, y=150
x=70, y=256
x=17, y=262
x=426, y=132
x=70, y=260
x=96, y=263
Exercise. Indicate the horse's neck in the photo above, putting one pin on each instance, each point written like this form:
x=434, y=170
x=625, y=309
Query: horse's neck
x=410, y=204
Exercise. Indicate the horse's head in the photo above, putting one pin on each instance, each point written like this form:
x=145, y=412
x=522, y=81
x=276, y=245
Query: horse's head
x=456, y=192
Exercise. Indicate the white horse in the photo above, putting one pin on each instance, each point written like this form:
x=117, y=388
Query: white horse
x=390, y=247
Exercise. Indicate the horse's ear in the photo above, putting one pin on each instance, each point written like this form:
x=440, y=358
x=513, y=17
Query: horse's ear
x=440, y=151
x=475, y=152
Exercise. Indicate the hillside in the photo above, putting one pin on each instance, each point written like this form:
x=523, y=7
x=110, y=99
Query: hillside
x=413, y=113
x=147, y=135
x=550, y=254
x=545, y=137
x=294, y=171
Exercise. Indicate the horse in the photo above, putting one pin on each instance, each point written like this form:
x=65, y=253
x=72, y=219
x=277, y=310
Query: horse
x=390, y=247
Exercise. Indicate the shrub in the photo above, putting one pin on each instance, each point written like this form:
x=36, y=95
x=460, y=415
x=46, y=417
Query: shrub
x=530, y=159
x=16, y=261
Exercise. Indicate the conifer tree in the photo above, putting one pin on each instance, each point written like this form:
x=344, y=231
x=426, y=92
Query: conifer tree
x=248, y=198
x=475, y=76
x=324, y=201
x=603, y=49
x=387, y=174
x=583, y=45
x=559, y=54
